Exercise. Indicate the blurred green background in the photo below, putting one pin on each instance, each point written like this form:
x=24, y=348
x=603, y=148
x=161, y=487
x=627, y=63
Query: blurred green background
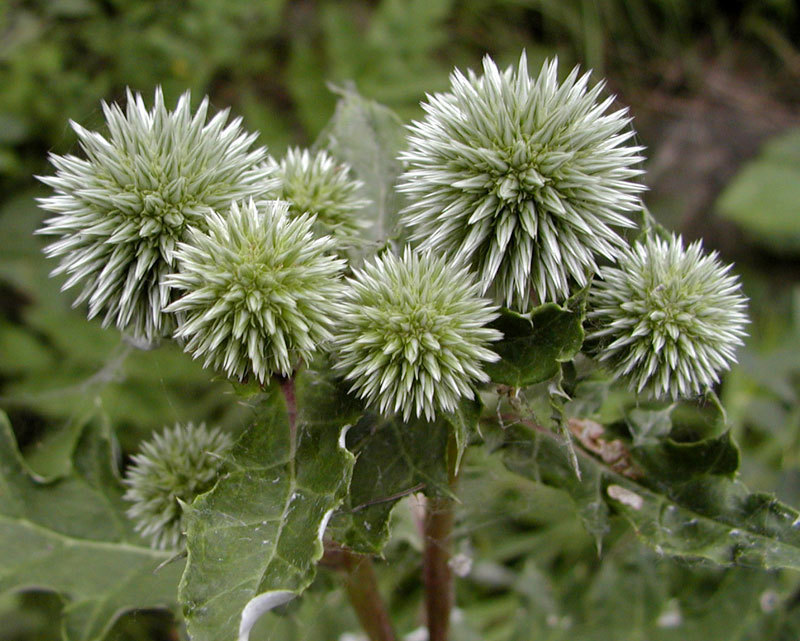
x=714, y=88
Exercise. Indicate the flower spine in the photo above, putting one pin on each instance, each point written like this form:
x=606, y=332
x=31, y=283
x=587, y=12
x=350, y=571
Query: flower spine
x=413, y=336
x=175, y=466
x=523, y=178
x=259, y=290
x=667, y=319
x=120, y=212
x=314, y=183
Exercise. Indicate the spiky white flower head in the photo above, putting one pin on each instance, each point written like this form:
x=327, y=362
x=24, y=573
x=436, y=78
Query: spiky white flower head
x=121, y=211
x=413, y=336
x=260, y=290
x=523, y=178
x=315, y=183
x=175, y=466
x=668, y=319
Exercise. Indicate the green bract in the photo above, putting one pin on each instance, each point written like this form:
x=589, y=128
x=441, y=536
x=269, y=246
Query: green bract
x=260, y=290
x=175, y=466
x=413, y=334
x=523, y=178
x=316, y=184
x=667, y=318
x=121, y=211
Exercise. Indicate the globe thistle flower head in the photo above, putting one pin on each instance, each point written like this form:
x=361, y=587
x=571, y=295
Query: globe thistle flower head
x=120, y=211
x=668, y=319
x=314, y=183
x=523, y=178
x=259, y=290
x=413, y=335
x=175, y=466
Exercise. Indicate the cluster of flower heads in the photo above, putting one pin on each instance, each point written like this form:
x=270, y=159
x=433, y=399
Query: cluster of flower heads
x=668, y=319
x=316, y=184
x=523, y=178
x=413, y=334
x=173, y=468
x=517, y=185
x=120, y=212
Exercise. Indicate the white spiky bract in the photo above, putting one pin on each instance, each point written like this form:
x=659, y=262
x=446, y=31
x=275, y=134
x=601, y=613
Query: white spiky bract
x=260, y=290
x=121, y=211
x=315, y=183
x=523, y=178
x=413, y=336
x=668, y=319
x=175, y=466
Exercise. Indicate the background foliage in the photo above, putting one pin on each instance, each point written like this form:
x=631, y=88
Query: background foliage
x=714, y=90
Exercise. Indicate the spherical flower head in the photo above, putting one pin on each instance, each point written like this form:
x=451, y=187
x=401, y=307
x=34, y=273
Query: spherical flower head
x=314, y=183
x=121, y=211
x=413, y=335
x=175, y=466
x=523, y=178
x=260, y=290
x=667, y=319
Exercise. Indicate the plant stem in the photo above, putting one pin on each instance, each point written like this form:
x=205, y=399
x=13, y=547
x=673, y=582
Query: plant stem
x=438, y=530
x=437, y=573
x=361, y=585
x=287, y=388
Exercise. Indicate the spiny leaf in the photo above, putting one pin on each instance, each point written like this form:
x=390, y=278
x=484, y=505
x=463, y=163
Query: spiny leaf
x=535, y=345
x=71, y=536
x=253, y=541
x=708, y=516
x=394, y=459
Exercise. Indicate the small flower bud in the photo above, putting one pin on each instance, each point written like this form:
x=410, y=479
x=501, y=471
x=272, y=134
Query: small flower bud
x=259, y=289
x=314, y=183
x=413, y=334
x=175, y=466
x=667, y=319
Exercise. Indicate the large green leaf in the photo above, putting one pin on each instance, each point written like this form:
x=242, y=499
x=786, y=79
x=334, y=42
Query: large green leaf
x=762, y=198
x=70, y=535
x=254, y=540
x=394, y=458
x=369, y=136
x=534, y=345
x=703, y=514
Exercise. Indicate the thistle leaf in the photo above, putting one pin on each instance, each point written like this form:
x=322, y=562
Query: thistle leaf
x=534, y=346
x=368, y=137
x=395, y=458
x=254, y=540
x=705, y=514
x=71, y=536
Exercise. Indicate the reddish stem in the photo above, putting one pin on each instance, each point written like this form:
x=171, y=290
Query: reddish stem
x=438, y=576
x=361, y=585
x=437, y=573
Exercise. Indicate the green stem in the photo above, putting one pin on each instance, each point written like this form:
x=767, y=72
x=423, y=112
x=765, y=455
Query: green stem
x=361, y=585
x=437, y=573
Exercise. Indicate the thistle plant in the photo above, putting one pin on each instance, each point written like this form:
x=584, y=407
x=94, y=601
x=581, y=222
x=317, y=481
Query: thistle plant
x=413, y=334
x=259, y=290
x=522, y=178
x=667, y=319
x=518, y=189
x=171, y=469
x=120, y=211
x=316, y=184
